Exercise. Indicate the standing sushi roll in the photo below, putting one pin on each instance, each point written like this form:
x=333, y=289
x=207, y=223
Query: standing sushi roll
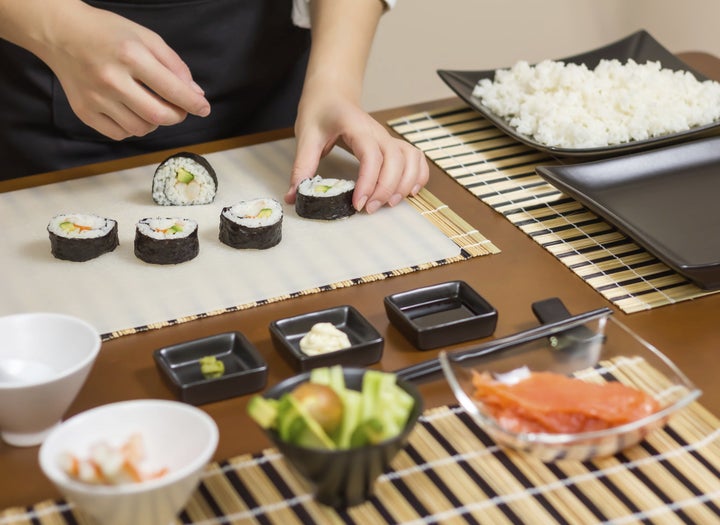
x=80, y=237
x=166, y=240
x=184, y=179
x=252, y=224
x=325, y=199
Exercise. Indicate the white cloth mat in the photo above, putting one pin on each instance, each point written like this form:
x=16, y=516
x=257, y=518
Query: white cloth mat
x=118, y=292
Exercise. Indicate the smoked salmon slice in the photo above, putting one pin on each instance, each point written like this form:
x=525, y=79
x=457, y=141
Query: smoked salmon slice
x=555, y=403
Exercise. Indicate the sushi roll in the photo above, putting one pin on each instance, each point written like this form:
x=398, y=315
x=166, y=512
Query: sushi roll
x=166, y=240
x=184, y=179
x=325, y=199
x=254, y=223
x=80, y=237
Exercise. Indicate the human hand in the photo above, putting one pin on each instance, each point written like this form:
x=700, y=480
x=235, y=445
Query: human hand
x=120, y=78
x=390, y=168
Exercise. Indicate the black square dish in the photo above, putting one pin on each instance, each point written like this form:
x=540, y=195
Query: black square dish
x=441, y=314
x=245, y=369
x=366, y=342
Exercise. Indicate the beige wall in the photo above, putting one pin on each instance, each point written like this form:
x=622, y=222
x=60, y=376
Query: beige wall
x=420, y=36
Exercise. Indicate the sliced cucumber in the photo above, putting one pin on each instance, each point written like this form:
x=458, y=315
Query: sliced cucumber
x=352, y=416
x=369, y=432
x=378, y=412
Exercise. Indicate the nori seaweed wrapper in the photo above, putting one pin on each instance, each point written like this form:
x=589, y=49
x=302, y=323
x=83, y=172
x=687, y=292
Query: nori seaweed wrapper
x=166, y=251
x=325, y=208
x=194, y=157
x=80, y=250
x=239, y=236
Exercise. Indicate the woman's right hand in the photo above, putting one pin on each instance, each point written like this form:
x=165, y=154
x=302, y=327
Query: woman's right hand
x=120, y=78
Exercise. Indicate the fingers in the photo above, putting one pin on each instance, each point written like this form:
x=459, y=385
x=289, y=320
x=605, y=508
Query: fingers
x=107, y=126
x=388, y=173
x=171, y=80
x=308, y=153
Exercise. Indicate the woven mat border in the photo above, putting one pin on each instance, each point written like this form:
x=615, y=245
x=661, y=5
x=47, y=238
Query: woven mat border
x=472, y=243
x=501, y=172
x=452, y=472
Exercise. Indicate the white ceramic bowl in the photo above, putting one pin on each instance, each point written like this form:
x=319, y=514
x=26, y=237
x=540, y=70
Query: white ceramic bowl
x=44, y=361
x=176, y=436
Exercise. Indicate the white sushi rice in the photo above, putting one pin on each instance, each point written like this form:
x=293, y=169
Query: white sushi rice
x=166, y=227
x=246, y=212
x=88, y=226
x=167, y=190
x=320, y=187
x=571, y=106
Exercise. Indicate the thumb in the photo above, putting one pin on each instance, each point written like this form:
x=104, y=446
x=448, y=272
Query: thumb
x=307, y=158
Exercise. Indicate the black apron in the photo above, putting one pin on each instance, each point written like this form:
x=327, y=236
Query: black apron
x=246, y=54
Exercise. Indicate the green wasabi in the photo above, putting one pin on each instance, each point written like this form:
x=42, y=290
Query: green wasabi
x=211, y=367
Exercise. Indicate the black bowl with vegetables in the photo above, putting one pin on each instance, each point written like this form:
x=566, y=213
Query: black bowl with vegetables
x=339, y=427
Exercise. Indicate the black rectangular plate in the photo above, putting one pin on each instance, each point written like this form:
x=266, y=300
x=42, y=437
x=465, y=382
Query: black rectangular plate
x=639, y=46
x=666, y=200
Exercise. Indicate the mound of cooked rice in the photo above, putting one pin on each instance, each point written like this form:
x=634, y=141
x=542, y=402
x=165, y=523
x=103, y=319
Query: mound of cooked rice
x=570, y=106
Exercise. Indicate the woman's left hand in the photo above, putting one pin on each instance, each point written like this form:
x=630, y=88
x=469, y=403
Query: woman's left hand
x=390, y=168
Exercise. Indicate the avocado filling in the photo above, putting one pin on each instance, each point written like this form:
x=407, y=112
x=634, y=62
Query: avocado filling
x=184, y=176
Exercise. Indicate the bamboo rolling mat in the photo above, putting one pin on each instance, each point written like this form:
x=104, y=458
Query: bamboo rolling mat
x=120, y=295
x=471, y=242
x=501, y=172
x=452, y=472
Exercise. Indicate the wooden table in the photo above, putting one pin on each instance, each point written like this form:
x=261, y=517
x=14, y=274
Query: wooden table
x=688, y=332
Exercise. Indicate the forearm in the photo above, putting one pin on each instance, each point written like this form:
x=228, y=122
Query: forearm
x=342, y=33
x=329, y=112
x=34, y=24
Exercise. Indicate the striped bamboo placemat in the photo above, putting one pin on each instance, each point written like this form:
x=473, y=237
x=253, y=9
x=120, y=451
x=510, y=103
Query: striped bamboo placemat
x=452, y=472
x=501, y=172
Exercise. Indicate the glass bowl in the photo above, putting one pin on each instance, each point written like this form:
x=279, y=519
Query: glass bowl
x=599, y=349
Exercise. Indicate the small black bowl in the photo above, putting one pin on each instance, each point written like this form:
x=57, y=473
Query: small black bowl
x=245, y=369
x=343, y=478
x=366, y=342
x=441, y=314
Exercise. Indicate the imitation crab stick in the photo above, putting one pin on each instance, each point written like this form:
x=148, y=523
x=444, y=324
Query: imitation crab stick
x=555, y=403
x=108, y=465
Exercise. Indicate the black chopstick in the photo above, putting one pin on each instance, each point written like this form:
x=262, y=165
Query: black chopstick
x=431, y=369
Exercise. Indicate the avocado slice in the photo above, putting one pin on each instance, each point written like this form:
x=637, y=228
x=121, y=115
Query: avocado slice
x=263, y=410
x=184, y=176
x=264, y=213
x=295, y=426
